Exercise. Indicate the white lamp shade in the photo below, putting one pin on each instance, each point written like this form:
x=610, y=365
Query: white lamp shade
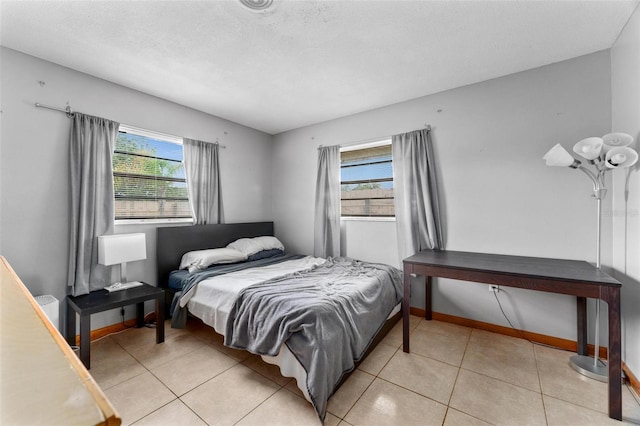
x=589, y=148
x=558, y=156
x=620, y=157
x=121, y=248
x=612, y=140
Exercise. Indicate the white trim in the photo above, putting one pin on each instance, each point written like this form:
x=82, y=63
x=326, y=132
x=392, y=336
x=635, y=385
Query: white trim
x=151, y=221
x=150, y=134
x=365, y=145
x=368, y=218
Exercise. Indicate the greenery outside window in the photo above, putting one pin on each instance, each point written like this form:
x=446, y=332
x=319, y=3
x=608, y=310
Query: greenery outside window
x=366, y=178
x=148, y=177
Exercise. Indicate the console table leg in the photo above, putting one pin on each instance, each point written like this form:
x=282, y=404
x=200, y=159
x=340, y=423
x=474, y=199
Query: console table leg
x=160, y=320
x=406, y=308
x=85, y=340
x=71, y=326
x=581, y=309
x=612, y=296
x=428, y=313
x=140, y=314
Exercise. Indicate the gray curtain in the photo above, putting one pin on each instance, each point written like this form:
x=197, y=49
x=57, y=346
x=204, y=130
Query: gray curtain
x=326, y=238
x=202, y=169
x=92, y=206
x=416, y=193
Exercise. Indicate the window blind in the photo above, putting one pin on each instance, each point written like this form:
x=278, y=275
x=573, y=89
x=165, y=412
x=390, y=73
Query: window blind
x=148, y=175
x=367, y=182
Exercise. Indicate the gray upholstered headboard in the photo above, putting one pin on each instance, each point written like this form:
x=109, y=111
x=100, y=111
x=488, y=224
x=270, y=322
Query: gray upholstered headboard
x=172, y=242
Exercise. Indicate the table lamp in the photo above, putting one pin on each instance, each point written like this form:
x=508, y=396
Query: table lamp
x=120, y=249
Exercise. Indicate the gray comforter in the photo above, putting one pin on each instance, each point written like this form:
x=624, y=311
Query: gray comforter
x=327, y=317
x=189, y=281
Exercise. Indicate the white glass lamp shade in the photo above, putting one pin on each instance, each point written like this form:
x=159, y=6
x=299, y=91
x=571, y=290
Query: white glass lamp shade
x=613, y=140
x=558, y=156
x=589, y=148
x=121, y=248
x=620, y=157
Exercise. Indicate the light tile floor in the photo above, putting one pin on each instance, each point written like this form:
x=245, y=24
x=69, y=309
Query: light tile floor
x=453, y=376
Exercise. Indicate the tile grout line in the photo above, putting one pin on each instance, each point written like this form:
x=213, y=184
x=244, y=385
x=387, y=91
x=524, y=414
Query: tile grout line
x=544, y=406
x=157, y=378
x=169, y=389
x=455, y=382
x=376, y=376
x=134, y=358
x=398, y=349
x=260, y=404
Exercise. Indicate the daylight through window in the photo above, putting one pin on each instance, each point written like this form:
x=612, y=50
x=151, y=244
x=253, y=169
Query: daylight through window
x=148, y=176
x=366, y=178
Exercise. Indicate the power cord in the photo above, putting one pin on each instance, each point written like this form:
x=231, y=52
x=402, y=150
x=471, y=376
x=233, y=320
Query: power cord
x=602, y=363
x=147, y=323
x=122, y=316
x=522, y=335
x=495, y=294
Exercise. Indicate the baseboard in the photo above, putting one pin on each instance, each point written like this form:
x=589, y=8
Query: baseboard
x=556, y=342
x=110, y=329
x=631, y=378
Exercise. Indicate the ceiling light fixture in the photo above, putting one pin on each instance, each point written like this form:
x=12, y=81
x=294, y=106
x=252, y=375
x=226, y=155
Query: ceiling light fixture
x=257, y=5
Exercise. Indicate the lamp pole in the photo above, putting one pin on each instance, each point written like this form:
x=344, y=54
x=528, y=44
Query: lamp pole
x=581, y=363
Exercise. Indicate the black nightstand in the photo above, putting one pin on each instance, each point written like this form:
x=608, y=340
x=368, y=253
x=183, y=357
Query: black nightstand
x=102, y=300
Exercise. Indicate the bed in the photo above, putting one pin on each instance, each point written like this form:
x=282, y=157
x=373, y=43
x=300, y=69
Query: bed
x=327, y=303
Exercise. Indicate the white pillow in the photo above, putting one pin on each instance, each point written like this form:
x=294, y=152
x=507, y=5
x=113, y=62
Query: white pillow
x=247, y=246
x=269, y=243
x=250, y=246
x=201, y=259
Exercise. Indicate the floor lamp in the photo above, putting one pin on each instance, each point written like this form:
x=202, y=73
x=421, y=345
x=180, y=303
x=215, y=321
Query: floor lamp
x=603, y=154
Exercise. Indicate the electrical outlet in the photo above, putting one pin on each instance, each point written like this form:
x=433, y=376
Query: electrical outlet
x=494, y=288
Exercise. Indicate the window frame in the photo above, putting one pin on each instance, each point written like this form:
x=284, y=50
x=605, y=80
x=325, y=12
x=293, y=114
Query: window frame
x=123, y=128
x=360, y=146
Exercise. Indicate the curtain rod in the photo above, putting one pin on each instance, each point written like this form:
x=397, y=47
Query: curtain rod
x=344, y=145
x=69, y=113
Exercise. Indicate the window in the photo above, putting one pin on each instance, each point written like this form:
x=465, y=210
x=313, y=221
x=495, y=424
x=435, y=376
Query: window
x=366, y=178
x=148, y=176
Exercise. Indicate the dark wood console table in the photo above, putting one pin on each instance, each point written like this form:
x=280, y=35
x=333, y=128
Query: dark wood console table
x=576, y=278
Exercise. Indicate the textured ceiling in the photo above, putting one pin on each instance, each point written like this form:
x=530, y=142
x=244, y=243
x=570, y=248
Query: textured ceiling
x=305, y=62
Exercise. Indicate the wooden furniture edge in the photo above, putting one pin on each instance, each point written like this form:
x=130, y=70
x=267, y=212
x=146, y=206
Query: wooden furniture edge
x=111, y=416
x=556, y=342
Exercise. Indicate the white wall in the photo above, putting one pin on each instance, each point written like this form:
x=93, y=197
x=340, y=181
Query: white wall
x=498, y=196
x=370, y=240
x=625, y=77
x=34, y=166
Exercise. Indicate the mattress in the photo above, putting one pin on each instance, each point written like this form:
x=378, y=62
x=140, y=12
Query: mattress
x=214, y=297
